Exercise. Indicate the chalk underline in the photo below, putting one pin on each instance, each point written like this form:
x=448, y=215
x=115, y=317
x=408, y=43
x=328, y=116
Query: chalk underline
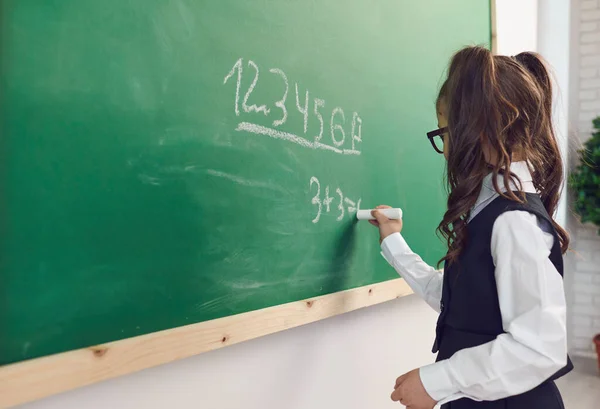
x=290, y=137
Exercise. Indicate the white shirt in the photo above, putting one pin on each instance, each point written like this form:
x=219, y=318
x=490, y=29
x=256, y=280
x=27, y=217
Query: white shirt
x=532, y=304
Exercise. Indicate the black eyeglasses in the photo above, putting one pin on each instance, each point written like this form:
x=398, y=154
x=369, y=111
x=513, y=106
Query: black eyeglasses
x=437, y=139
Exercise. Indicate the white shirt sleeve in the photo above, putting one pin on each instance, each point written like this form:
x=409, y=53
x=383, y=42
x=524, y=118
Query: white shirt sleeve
x=533, y=308
x=424, y=280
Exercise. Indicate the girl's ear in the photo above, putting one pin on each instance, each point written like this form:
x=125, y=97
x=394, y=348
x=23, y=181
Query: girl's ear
x=491, y=158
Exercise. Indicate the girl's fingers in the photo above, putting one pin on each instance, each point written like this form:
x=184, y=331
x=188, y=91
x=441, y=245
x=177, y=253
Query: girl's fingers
x=374, y=223
x=380, y=217
x=396, y=395
x=400, y=380
x=383, y=207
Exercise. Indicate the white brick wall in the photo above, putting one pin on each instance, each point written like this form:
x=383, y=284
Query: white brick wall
x=584, y=263
x=585, y=297
x=585, y=288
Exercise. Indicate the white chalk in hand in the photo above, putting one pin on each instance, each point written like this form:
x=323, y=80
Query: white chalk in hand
x=395, y=213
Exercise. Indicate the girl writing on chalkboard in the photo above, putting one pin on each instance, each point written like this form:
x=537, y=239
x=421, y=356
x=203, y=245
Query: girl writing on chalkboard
x=501, y=333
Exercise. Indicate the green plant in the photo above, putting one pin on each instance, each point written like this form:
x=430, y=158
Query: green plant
x=585, y=180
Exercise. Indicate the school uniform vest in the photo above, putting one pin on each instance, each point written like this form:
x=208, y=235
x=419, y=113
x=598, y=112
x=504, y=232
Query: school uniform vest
x=470, y=309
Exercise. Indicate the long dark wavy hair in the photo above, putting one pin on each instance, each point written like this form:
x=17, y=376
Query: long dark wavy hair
x=505, y=104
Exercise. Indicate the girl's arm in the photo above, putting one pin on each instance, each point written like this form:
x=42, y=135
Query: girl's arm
x=533, y=308
x=425, y=280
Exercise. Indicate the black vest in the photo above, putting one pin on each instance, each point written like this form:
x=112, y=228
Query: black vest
x=470, y=310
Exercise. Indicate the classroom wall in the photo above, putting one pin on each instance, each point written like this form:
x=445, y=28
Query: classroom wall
x=516, y=25
x=554, y=44
x=585, y=106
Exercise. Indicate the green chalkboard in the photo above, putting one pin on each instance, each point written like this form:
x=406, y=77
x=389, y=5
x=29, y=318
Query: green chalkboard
x=167, y=162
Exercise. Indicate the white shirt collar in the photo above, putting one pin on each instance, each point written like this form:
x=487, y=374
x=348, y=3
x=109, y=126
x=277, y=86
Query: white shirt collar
x=520, y=169
x=488, y=193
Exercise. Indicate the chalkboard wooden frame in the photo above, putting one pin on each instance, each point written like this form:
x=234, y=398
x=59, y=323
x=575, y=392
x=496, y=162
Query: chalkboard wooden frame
x=38, y=378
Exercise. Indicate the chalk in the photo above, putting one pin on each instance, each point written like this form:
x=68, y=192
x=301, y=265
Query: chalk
x=395, y=213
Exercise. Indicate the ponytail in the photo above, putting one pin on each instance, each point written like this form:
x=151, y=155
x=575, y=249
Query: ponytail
x=536, y=67
x=546, y=156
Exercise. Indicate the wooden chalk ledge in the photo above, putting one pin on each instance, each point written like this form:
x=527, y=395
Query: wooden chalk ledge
x=30, y=380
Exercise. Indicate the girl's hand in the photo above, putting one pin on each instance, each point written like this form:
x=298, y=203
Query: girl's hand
x=410, y=392
x=386, y=226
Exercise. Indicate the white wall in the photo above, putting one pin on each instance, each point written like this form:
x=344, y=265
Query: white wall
x=516, y=26
x=349, y=361
x=554, y=44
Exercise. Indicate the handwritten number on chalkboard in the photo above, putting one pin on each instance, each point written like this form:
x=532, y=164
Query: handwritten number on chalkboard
x=253, y=108
x=303, y=111
x=344, y=202
x=336, y=123
x=356, y=129
x=337, y=127
x=236, y=67
x=352, y=207
x=327, y=201
x=319, y=103
x=316, y=200
x=281, y=103
x=341, y=205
